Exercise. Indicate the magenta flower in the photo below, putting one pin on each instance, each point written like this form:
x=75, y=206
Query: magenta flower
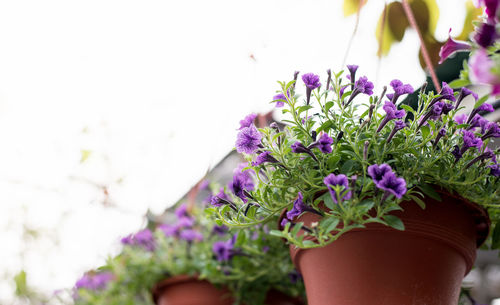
x=485, y=35
x=451, y=47
x=480, y=70
x=248, y=140
x=332, y=181
x=247, y=121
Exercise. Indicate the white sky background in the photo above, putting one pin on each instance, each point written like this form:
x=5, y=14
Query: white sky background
x=155, y=89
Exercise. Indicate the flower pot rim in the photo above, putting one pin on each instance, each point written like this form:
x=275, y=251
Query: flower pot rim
x=480, y=214
x=173, y=280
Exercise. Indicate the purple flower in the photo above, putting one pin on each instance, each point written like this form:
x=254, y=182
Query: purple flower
x=398, y=125
x=447, y=108
x=191, y=235
x=143, y=239
x=451, y=47
x=185, y=222
x=263, y=158
x=399, y=89
x=299, y=148
x=460, y=118
x=377, y=172
x=216, y=199
x=392, y=184
x=223, y=250
x=169, y=230
x=391, y=113
x=247, y=121
x=280, y=99
x=220, y=230
x=470, y=140
x=491, y=130
x=485, y=35
x=441, y=133
x=342, y=89
x=364, y=85
x=484, y=107
x=447, y=92
x=464, y=92
x=311, y=80
x=352, y=76
x=94, y=281
x=324, y=143
x=238, y=187
x=494, y=170
x=294, y=276
x=332, y=180
x=436, y=110
x=481, y=69
x=245, y=176
x=298, y=207
x=181, y=211
x=248, y=140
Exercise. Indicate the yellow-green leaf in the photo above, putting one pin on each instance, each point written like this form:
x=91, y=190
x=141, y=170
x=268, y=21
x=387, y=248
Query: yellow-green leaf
x=352, y=6
x=383, y=34
x=85, y=154
x=396, y=20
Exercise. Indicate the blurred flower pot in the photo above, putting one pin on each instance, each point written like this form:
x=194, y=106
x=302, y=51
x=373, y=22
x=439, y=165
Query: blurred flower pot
x=379, y=265
x=188, y=290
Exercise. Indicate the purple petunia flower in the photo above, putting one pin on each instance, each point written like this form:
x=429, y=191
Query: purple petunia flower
x=494, y=170
x=185, y=222
x=294, y=276
x=470, y=140
x=238, y=187
x=460, y=118
x=143, y=239
x=464, y=92
x=298, y=207
x=311, y=80
x=399, y=89
x=216, y=199
x=391, y=114
x=220, y=230
x=332, y=181
x=485, y=35
x=483, y=108
x=324, y=143
x=447, y=92
x=364, y=85
x=392, y=184
x=491, y=130
x=247, y=121
x=451, y=47
x=441, y=133
x=223, y=250
x=398, y=125
x=299, y=148
x=94, y=281
x=169, y=230
x=181, y=211
x=245, y=175
x=377, y=172
x=280, y=99
x=352, y=74
x=248, y=140
x=264, y=157
x=191, y=235
x=436, y=111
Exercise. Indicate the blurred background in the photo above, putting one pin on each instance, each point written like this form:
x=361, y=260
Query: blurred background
x=113, y=110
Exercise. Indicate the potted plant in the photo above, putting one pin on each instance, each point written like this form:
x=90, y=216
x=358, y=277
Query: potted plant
x=194, y=261
x=381, y=203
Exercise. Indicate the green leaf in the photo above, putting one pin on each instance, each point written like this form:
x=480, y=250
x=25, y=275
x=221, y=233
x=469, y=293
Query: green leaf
x=347, y=166
x=458, y=83
x=419, y=201
x=394, y=222
x=276, y=233
x=481, y=101
x=495, y=237
x=332, y=161
x=329, y=224
x=328, y=105
x=425, y=131
x=364, y=206
x=240, y=240
x=304, y=108
x=296, y=228
x=309, y=243
x=429, y=191
x=327, y=199
x=325, y=126
x=407, y=108
x=21, y=284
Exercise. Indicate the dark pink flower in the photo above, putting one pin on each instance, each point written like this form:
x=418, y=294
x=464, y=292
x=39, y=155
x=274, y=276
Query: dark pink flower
x=451, y=47
x=480, y=70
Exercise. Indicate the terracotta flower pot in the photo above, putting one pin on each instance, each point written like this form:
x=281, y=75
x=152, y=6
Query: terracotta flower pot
x=188, y=290
x=275, y=297
x=378, y=265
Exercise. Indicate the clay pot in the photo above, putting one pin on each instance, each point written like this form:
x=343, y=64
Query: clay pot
x=378, y=265
x=188, y=290
x=275, y=297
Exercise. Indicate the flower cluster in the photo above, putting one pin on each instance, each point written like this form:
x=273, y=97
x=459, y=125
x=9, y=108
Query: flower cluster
x=484, y=60
x=349, y=161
